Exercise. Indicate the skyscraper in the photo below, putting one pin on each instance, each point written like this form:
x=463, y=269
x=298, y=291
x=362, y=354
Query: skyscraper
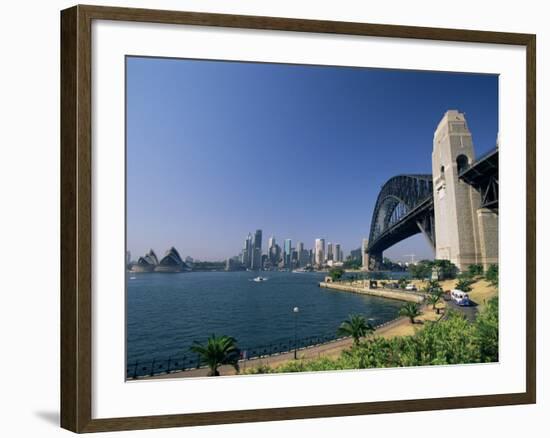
x=319, y=251
x=330, y=252
x=287, y=253
x=303, y=256
x=247, y=251
x=337, y=252
x=274, y=254
x=256, y=262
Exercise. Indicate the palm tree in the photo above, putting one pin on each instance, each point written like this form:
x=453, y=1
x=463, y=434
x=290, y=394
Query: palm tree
x=434, y=298
x=411, y=310
x=356, y=327
x=218, y=350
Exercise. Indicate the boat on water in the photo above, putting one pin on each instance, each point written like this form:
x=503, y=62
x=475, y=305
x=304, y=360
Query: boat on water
x=259, y=279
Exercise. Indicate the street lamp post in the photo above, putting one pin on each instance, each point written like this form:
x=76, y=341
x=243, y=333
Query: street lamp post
x=295, y=311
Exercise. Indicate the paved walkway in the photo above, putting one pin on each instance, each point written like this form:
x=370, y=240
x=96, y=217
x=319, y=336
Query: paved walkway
x=397, y=327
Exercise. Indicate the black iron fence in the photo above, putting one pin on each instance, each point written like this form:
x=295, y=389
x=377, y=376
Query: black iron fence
x=174, y=364
x=184, y=362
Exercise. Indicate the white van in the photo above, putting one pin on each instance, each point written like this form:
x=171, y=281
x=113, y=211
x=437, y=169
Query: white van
x=460, y=298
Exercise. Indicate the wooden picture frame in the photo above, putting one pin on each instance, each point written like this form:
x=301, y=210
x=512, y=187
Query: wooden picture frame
x=76, y=217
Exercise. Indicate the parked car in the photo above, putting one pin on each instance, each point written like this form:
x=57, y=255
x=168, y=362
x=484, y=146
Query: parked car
x=411, y=287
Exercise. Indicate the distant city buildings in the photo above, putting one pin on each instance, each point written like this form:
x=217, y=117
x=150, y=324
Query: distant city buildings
x=251, y=257
x=233, y=264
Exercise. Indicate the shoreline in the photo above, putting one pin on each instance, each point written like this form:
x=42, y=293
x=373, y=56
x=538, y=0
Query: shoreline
x=399, y=326
x=381, y=293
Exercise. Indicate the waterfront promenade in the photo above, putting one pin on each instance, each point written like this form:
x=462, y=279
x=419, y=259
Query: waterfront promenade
x=360, y=288
x=397, y=327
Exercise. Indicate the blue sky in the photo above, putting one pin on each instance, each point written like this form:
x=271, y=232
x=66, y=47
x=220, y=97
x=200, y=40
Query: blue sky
x=218, y=149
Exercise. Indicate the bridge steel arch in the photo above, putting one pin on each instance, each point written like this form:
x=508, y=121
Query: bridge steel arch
x=404, y=207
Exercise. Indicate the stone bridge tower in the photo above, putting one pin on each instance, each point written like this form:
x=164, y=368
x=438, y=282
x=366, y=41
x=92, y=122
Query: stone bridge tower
x=465, y=233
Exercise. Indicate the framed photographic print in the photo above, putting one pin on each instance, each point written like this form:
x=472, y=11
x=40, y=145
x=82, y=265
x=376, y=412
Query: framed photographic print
x=270, y=218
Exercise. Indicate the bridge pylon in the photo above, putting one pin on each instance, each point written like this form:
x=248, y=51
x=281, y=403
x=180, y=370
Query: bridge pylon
x=465, y=233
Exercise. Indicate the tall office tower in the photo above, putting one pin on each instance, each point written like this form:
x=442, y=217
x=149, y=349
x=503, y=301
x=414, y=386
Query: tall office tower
x=319, y=251
x=247, y=251
x=256, y=262
x=299, y=252
x=274, y=254
x=330, y=251
x=294, y=258
x=287, y=253
x=271, y=250
x=337, y=252
x=303, y=256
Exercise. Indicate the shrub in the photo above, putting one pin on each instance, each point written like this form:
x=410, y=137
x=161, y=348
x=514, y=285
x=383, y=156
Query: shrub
x=491, y=275
x=475, y=269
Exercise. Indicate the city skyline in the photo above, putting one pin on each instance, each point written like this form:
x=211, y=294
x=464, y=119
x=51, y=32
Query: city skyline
x=246, y=250
x=216, y=149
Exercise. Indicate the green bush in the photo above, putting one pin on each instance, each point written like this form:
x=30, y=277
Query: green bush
x=475, y=269
x=491, y=275
x=464, y=284
x=336, y=273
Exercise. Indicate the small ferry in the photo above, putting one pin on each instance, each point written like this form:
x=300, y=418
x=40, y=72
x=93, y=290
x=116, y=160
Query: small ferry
x=259, y=279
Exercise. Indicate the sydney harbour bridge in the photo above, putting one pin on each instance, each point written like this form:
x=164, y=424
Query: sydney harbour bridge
x=455, y=207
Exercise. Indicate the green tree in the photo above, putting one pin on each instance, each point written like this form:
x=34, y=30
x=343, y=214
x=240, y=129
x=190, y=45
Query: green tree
x=218, y=351
x=445, y=268
x=475, y=269
x=356, y=327
x=421, y=270
x=410, y=310
x=336, y=274
x=491, y=275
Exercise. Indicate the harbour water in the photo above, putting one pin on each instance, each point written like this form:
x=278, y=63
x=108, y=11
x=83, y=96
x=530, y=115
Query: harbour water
x=165, y=313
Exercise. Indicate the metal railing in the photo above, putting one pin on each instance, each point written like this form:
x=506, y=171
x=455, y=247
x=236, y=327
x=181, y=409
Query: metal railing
x=157, y=366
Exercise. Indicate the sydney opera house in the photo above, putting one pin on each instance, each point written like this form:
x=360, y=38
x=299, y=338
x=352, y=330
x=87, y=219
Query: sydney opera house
x=171, y=262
